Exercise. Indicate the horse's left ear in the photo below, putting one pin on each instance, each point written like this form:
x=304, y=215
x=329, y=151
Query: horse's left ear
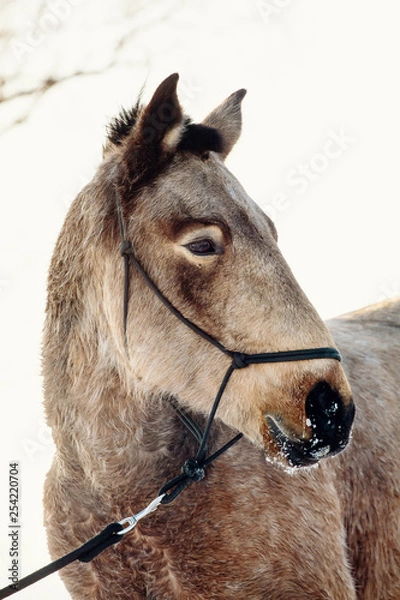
x=157, y=132
x=227, y=119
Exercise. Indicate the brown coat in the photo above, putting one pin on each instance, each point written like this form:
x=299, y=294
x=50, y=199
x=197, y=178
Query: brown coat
x=253, y=528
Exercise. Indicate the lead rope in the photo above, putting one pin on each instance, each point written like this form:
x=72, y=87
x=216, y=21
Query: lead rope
x=114, y=532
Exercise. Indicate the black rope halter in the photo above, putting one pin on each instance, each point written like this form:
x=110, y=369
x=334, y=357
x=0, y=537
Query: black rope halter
x=193, y=469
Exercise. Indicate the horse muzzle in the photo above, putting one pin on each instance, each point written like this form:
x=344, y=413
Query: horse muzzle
x=329, y=420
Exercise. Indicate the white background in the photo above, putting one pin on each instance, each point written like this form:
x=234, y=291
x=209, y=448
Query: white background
x=313, y=69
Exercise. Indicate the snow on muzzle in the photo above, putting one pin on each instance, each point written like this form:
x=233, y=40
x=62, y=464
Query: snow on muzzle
x=329, y=420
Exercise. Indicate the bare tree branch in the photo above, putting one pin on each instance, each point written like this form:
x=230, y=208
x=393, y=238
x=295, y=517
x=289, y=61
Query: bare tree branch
x=132, y=18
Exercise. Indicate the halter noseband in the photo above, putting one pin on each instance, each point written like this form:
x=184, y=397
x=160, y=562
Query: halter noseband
x=193, y=469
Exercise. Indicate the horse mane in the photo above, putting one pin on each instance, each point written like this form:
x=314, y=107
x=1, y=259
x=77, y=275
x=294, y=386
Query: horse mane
x=196, y=137
x=120, y=126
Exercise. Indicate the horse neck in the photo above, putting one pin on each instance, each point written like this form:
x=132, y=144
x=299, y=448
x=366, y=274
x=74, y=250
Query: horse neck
x=109, y=431
x=102, y=418
x=116, y=433
x=101, y=421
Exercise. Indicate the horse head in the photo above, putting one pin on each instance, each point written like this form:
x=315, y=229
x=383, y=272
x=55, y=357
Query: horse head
x=214, y=255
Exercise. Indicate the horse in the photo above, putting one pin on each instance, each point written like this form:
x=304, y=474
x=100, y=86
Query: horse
x=303, y=503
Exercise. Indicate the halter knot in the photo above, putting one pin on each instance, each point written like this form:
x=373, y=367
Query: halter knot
x=193, y=470
x=125, y=248
x=239, y=360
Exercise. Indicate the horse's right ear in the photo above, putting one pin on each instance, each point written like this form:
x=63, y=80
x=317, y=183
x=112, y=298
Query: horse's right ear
x=227, y=119
x=156, y=133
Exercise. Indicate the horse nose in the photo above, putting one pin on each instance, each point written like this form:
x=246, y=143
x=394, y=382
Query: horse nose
x=330, y=420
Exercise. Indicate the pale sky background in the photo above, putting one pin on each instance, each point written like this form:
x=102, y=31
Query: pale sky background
x=319, y=152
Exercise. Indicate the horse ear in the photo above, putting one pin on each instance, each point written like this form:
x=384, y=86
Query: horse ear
x=227, y=119
x=157, y=132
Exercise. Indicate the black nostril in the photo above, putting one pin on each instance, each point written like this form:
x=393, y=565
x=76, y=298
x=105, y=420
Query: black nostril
x=323, y=401
x=330, y=419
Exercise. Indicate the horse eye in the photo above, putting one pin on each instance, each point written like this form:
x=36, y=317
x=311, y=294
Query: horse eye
x=202, y=247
